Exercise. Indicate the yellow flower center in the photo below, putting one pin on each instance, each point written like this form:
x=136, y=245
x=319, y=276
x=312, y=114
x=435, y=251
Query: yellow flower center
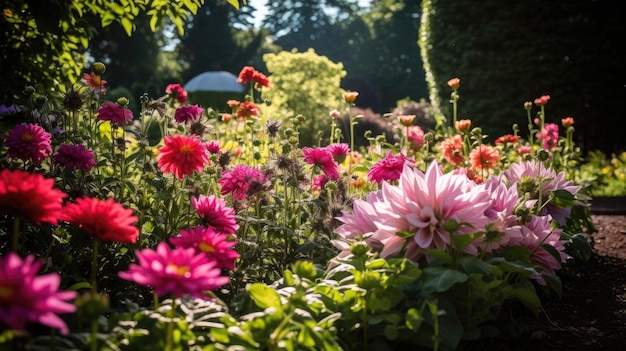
x=204, y=247
x=27, y=137
x=182, y=271
x=185, y=149
x=6, y=291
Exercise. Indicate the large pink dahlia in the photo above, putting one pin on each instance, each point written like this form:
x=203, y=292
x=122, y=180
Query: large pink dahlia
x=217, y=246
x=215, y=213
x=28, y=141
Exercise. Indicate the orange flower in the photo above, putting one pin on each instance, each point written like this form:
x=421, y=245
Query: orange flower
x=406, y=120
x=484, y=157
x=463, y=125
x=567, y=122
x=454, y=83
x=452, y=149
x=232, y=103
x=350, y=96
x=507, y=139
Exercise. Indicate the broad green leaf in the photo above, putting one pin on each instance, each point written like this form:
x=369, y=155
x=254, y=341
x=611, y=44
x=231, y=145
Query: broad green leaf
x=440, y=279
x=528, y=297
x=562, y=198
x=264, y=296
x=461, y=241
x=128, y=25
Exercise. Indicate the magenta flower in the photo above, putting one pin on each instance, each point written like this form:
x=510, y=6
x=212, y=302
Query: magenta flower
x=177, y=92
x=213, y=147
x=415, y=137
x=28, y=141
x=549, y=136
x=114, y=113
x=319, y=181
x=215, y=213
x=389, y=168
x=188, y=113
x=26, y=297
x=339, y=151
x=217, y=246
x=74, y=157
x=182, y=155
x=323, y=158
x=237, y=182
x=179, y=271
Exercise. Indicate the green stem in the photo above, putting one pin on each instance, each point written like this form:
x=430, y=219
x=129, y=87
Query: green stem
x=15, y=243
x=94, y=267
x=169, y=337
x=94, y=334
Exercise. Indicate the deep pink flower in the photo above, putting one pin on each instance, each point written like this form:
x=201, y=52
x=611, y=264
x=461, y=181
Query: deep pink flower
x=26, y=297
x=177, y=92
x=389, y=168
x=179, y=271
x=549, y=136
x=339, y=151
x=74, y=157
x=323, y=158
x=188, y=113
x=30, y=196
x=217, y=246
x=215, y=213
x=319, y=181
x=213, y=147
x=106, y=220
x=237, y=182
x=95, y=82
x=182, y=155
x=415, y=137
x=28, y=141
x=114, y=113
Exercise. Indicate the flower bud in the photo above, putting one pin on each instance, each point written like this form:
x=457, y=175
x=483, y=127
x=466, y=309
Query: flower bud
x=98, y=68
x=350, y=96
x=29, y=90
x=122, y=101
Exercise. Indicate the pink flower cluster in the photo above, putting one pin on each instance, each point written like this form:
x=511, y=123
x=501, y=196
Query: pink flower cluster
x=188, y=113
x=237, y=181
x=549, y=136
x=177, y=92
x=114, y=113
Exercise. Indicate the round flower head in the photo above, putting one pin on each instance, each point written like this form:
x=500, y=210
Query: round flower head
x=187, y=113
x=237, y=182
x=182, y=155
x=179, y=271
x=215, y=213
x=415, y=137
x=106, y=220
x=339, y=151
x=389, y=168
x=95, y=82
x=247, y=109
x=28, y=141
x=484, y=157
x=217, y=246
x=323, y=158
x=30, y=196
x=26, y=297
x=452, y=149
x=249, y=74
x=213, y=147
x=177, y=92
x=114, y=113
x=74, y=157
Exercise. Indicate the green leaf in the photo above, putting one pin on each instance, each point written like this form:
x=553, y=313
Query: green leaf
x=579, y=248
x=391, y=332
x=528, y=297
x=563, y=198
x=440, y=279
x=264, y=296
x=414, y=319
x=128, y=25
x=461, y=241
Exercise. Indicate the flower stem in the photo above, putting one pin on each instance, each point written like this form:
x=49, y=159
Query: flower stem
x=169, y=336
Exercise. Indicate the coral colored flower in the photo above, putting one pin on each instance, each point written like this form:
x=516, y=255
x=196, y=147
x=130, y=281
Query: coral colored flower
x=216, y=245
x=182, y=155
x=188, y=113
x=452, y=149
x=233, y=103
x=226, y=117
x=484, y=157
x=567, y=122
x=28, y=141
x=323, y=158
x=524, y=150
x=95, y=82
x=389, y=168
x=114, y=113
x=30, y=196
x=249, y=74
x=542, y=100
x=415, y=137
x=350, y=96
x=454, y=83
x=237, y=182
x=177, y=92
x=339, y=151
x=406, y=120
x=106, y=220
x=507, y=139
x=358, y=182
x=215, y=213
x=247, y=109
x=74, y=157
x=179, y=271
x=463, y=125
x=549, y=136
x=334, y=113
x=26, y=297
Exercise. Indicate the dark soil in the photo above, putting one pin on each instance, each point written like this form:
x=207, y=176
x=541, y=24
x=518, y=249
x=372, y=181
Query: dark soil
x=591, y=313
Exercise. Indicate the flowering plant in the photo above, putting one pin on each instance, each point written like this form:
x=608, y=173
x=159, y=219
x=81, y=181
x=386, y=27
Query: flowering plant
x=186, y=228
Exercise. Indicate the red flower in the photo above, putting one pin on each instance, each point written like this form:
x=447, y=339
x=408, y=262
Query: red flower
x=247, y=109
x=543, y=100
x=249, y=74
x=30, y=196
x=95, y=82
x=182, y=155
x=452, y=149
x=216, y=245
x=323, y=158
x=177, y=92
x=484, y=157
x=507, y=139
x=28, y=141
x=106, y=220
x=114, y=113
x=187, y=113
x=74, y=157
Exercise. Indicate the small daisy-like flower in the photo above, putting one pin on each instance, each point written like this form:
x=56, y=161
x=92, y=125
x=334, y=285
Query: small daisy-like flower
x=28, y=142
x=452, y=149
x=26, y=297
x=188, y=113
x=95, y=82
x=179, y=271
x=215, y=213
x=484, y=157
x=247, y=109
x=106, y=220
x=182, y=155
x=114, y=113
x=74, y=157
x=216, y=245
x=30, y=196
x=339, y=151
x=213, y=147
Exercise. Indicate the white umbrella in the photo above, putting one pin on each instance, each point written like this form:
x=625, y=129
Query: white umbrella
x=214, y=81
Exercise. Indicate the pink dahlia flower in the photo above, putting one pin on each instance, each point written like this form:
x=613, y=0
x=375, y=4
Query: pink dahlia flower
x=26, y=297
x=114, y=113
x=323, y=158
x=319, y=181
x=217, y=246
x=28, y=141
x=415, y=137
x=188, y=113
x=213, y=147
x=237, y=182
x=182, y=155
x=74, y=157
x=30, y=196
x=179, y=271
x=339, y=151
x=106, y=220
x=177, y=92
x=215, y=213
x=389, y=168
x=549, y=136
x=501, y=229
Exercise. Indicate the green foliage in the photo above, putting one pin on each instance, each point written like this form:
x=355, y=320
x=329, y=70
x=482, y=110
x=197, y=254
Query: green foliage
x=304, y=83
